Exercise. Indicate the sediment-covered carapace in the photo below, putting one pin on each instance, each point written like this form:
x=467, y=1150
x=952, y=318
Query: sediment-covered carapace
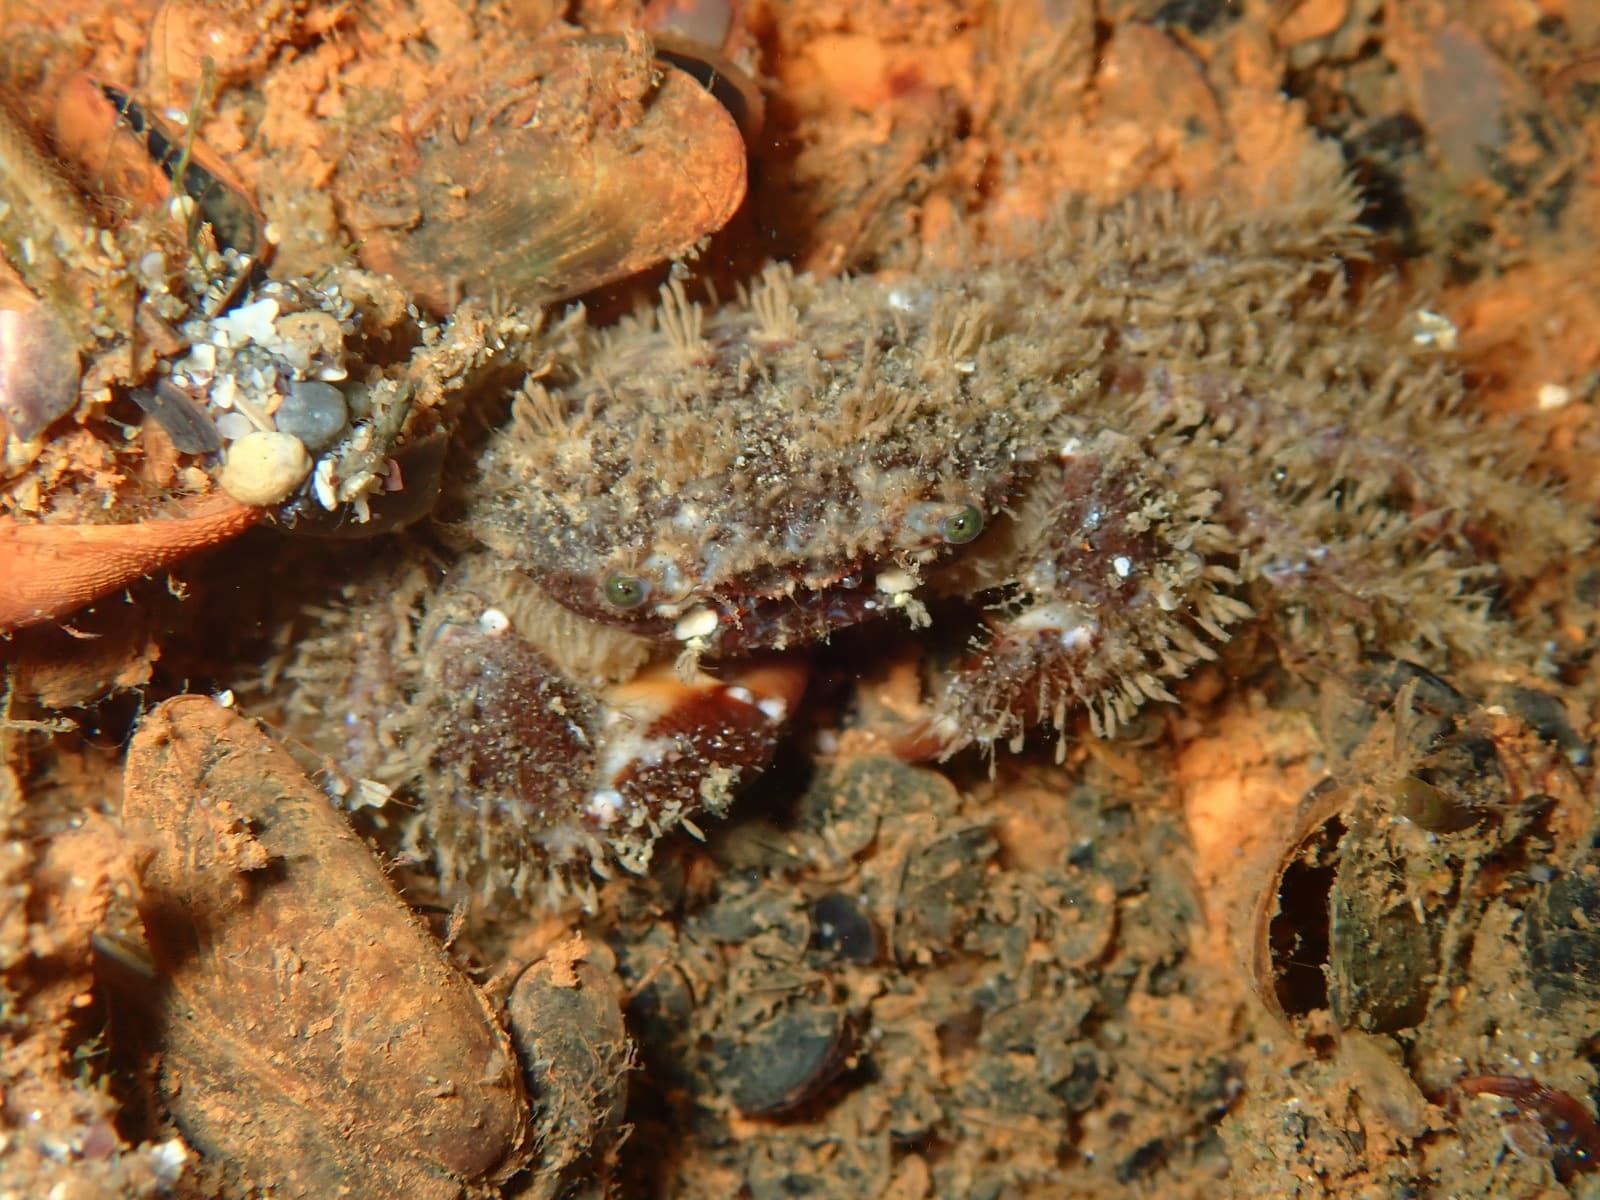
x=760, y=475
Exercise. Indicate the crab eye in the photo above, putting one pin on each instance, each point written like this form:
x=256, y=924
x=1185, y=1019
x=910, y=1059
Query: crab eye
x=961, y=526
x=625, y=591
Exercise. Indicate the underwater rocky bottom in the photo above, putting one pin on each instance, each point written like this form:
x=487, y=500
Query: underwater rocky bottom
x=1042, y=693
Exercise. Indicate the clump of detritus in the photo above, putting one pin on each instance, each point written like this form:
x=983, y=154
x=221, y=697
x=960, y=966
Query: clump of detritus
x=1078, y=472
x=61, y=1132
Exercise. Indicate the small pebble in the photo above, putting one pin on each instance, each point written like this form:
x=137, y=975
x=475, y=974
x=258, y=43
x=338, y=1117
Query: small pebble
x=264, y=468
x=249, y=323
x=313, y=412
x=233, y=426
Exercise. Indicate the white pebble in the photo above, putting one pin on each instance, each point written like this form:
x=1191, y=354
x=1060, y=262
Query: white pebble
x=1554, y=395
x=250, y=323
x=223, y=392
x=167, y=1159
x=202, y=358
x=264, y=468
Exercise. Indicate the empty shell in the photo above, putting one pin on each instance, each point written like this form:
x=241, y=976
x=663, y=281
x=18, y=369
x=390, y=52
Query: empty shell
x=584, y=162
x=38, y=364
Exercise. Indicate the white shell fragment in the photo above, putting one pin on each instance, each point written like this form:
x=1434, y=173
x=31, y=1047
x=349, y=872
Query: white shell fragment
x=1429, y=328
x=264, y=468
x=249, y=323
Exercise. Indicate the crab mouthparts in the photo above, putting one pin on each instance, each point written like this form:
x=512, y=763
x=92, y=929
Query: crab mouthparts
x=749, y=621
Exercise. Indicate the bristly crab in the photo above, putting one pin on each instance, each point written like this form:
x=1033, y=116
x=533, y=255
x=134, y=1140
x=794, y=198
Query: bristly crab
x=1069, y=477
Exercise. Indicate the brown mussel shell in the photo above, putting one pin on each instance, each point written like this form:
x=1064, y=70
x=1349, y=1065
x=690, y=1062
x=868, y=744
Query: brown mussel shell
x=39, y=365
x=310, y=1028
x=1443, y=805
x=124, y=150
x=584, y=161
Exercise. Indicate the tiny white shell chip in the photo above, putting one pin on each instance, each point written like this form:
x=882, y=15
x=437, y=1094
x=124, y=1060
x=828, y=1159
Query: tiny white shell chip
x=249, y=322
x=605, y=806
x=1429, y=328
x=264, y=468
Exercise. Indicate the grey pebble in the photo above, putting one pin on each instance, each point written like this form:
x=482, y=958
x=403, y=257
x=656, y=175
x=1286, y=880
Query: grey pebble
x=314, y=412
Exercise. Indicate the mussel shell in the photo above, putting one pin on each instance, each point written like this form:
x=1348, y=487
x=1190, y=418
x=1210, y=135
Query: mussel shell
x=587, y=164
x=134, y=158
x=720, y=76
x=39, y=367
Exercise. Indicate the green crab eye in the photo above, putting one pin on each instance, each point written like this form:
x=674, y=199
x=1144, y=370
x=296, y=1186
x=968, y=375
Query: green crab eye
x=961, y=526
x=625, y=591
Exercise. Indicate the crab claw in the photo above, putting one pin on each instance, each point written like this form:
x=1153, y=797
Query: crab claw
x=666, y=740
x=525, y=773
x=1115, y=581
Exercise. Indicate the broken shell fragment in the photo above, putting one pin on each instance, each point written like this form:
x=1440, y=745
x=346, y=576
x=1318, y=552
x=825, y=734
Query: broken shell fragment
x=130, y=153
x=313, y=1040
x=264, y=467
x=186, y=422
x=579, y=163
x=48, y=571
x=38, y=365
